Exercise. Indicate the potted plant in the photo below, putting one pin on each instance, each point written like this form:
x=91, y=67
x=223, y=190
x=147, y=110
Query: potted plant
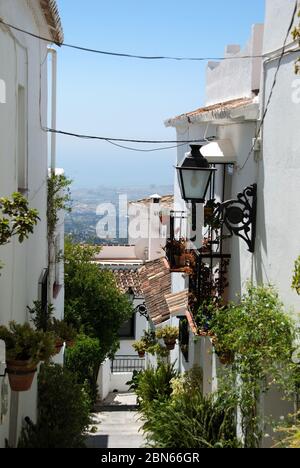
x=176, y=253
x=140, y=347
x=179, y=249
x=169, y=334
x=225, y=356
x=64, y=332
x=43, y=320
x=25, y=349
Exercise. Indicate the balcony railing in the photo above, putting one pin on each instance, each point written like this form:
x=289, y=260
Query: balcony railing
x=124, y=364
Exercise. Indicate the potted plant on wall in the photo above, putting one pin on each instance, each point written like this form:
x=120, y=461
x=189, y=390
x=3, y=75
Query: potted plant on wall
x=176, y=253
x=140, y=347
x=25, y=349
x=179, y=248
x=169, y=334
x=64, y=332
x=43, y=320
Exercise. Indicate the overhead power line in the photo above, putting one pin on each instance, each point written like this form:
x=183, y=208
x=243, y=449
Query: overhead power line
x=126, y=140
x=130, y=56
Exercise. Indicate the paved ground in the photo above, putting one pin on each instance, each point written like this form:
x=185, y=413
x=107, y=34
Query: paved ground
x=117, y=424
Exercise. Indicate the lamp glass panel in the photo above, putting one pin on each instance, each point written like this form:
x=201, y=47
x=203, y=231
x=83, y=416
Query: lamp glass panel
x=195, y=183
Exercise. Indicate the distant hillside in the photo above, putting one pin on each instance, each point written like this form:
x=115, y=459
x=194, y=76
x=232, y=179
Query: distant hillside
x=81, y=223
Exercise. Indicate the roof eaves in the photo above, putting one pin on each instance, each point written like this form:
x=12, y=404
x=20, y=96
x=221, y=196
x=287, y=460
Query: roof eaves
x=51, y=14
x=220, y=111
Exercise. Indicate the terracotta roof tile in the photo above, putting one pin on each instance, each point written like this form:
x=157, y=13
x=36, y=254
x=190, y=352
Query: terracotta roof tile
x=51, y=13
x=218, y=109
x=178, y=303
x=156, y=284
x=126, y=277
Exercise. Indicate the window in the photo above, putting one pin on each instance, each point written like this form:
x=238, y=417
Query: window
x=127, y=330
x=43, y=286
x=184, y=338
x=22, y=142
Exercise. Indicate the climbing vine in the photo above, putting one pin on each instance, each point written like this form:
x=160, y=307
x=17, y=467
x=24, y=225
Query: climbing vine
x=296, y=37
x=296, y=278
x=59, y=198
x=260, y=336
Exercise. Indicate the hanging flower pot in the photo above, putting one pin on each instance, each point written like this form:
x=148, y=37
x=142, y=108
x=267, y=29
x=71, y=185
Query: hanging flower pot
x=169, y=334
x=58, y=346
x=140, y=347
x=25, y=349
x=20, y=375
x=170, y=345
x=180, y=260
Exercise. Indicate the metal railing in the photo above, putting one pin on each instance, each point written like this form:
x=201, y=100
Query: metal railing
x=122, y=364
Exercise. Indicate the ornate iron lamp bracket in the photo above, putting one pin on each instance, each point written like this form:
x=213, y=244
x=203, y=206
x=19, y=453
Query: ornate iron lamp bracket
x=142, y=310
x=239, y=216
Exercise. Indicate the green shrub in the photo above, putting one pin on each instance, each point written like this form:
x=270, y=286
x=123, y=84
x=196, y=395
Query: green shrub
x=191, y=421
x=155, y=384
x=63, y=412
x=84, y=360
x=260, y=335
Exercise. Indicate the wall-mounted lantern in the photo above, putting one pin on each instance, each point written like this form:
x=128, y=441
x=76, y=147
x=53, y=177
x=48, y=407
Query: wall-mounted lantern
x=194, y=175
x=239, y=216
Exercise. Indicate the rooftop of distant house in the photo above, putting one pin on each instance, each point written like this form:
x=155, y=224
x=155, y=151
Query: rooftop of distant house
x=166, y=201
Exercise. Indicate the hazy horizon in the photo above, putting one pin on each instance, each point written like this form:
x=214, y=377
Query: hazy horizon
x=128, y=98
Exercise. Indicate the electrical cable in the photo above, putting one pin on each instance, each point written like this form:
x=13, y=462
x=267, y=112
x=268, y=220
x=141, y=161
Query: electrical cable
x=123, y=55
x=283, y=52
x=125, y=140
x=144, y=150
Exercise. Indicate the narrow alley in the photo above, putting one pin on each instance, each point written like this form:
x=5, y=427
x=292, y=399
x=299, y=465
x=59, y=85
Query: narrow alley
x=117, y=423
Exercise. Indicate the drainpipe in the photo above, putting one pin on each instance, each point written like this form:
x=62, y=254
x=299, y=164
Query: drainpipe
x=51, y=248
x=53, y=53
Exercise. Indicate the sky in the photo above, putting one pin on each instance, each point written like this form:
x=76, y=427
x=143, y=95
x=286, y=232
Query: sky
x=127, y=98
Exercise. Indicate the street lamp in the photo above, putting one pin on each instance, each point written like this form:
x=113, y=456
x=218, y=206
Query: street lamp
x=194, y=174
x=239, y=215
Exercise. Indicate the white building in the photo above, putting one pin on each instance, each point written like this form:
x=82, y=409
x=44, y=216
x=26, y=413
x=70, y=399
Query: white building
x=237, y=93
x=24, y=166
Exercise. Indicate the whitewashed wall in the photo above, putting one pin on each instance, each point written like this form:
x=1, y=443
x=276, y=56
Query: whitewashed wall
x=20, y=65
x=233, y=79
x=141, y=325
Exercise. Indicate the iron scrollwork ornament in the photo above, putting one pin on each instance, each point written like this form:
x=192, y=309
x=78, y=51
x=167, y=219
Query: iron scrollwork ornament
x=239, y=216
x=142, y=310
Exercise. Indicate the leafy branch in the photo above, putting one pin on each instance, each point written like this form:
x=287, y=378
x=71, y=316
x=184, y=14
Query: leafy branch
x=16, y=219
x=296, y=278
x=296, y=37
x=59, y=198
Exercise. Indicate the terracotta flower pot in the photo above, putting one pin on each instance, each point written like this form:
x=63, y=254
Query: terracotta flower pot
x=20, y=375
x=141, y=354
x=170, y=345
x=58, y=346
x=180, y=260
